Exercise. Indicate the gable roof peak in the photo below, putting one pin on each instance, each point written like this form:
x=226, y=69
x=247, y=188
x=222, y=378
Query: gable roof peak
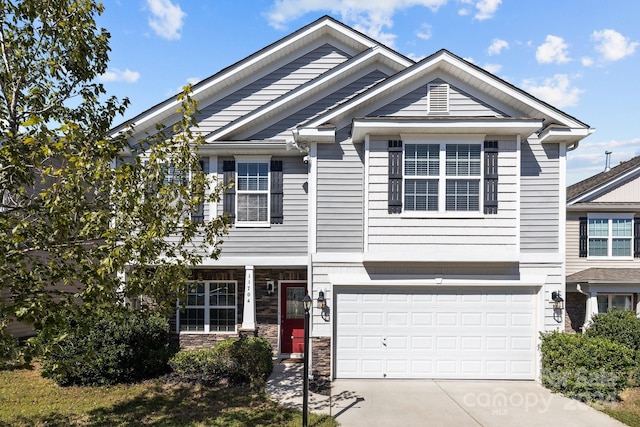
x=578, y=191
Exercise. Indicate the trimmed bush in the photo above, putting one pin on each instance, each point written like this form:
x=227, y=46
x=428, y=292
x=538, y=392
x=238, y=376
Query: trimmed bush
x=245, y=359
x=585, y=368
x=620, y=326
x=121, y=345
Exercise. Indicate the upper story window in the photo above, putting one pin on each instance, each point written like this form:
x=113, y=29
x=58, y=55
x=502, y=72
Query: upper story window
x=610, y=236
x=256, y=197
x=252, y=192
x=442, y=177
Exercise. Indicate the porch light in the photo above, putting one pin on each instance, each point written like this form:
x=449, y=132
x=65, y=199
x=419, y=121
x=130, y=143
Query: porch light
x=271, y=287
x=321, y=300
x=557, y=300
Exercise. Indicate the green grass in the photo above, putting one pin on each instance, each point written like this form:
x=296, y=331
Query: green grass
x=627, y=410
x=27, y=399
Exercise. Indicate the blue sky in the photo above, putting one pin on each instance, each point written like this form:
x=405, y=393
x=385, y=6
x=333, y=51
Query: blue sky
x=582, y=56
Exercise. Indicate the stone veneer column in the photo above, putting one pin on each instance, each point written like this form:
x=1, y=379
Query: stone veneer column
x=249, y=310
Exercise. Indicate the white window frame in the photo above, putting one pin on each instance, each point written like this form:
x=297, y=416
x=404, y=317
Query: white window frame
x=442, y=178
x=208, y=286
x=610, y=237
x=267, y=192
x=610, y=297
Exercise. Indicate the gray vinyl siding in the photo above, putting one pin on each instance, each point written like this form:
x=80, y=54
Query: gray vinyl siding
x=574, y=262
x=414, y=104
x=340, y=196
x=275, y=84
x=283, y=127
x=286, y=239
x=539, y=200
x=626, y=192
x=441, y=232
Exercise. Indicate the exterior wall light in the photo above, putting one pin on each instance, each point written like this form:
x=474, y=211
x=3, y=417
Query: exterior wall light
x=321, y=300
x=557, y=300
x=271, y=286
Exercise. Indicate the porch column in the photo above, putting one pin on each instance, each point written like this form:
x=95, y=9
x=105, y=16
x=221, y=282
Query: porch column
x=249, y=309
x=592, y=308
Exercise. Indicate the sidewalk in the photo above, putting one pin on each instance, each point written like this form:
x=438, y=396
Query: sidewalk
x=285, y=386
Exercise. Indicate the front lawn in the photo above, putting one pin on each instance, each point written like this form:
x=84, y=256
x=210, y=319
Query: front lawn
x=27, y=399
x=627, y=410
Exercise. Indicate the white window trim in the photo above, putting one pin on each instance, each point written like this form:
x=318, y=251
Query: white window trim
x=207, y=309
x=610, y=217
x=443, y=140
x=253, y=159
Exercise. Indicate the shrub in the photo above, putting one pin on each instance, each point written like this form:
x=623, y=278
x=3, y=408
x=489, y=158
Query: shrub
x=584, y=367
x=245, y=359
x=620, y=326
x=120, y=345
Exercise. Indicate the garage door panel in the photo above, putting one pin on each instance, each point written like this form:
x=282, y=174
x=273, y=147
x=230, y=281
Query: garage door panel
x=436, y=335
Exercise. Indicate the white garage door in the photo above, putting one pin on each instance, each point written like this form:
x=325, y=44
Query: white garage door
x=455, y=334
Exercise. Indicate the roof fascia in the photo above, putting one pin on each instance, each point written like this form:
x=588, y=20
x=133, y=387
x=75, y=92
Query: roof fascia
x=433, y=62
x=360, y=61
x=324, y=25
x=605, y=185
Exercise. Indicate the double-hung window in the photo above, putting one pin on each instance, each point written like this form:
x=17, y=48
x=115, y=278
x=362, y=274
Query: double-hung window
x=442, y=177
x=208, y=307
x=252, y=189
x=610, y=237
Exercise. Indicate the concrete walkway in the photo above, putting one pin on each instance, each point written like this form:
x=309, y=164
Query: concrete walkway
x=360, y=403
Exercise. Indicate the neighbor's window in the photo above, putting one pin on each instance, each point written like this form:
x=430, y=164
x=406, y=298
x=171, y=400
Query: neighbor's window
x=208, y=307
x=610, y=237
x=252, y=187
x=609, y=302
x=442, y=177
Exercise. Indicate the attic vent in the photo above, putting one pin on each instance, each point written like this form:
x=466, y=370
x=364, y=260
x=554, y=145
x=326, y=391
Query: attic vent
x=438, y=98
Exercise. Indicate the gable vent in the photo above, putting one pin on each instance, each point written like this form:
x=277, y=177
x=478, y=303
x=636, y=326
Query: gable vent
x=438, y=98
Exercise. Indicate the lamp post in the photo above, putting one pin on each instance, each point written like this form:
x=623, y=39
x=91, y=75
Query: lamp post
x=306, y=301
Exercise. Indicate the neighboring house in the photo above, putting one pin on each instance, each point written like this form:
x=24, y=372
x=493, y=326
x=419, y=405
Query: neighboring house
x=425, y=202
x=603, y=244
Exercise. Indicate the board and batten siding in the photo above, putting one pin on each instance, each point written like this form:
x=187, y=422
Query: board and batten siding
x=441, y=233
x=575, y=263
x=414, y=104
x=626, y=192
x=282, y=129
x=340, y=196
x=539, y=197
x=277, y=83
x=286, y=239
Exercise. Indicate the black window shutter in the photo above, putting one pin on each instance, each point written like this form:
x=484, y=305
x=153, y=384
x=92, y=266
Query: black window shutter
x=229, y=202
x=636, y=237
x=395, y=176
x=276, y=192
x=198, y=215
x=491, y=177
x=582, y=251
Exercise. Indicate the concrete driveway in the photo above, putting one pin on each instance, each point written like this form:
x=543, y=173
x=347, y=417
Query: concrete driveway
x=406, y=403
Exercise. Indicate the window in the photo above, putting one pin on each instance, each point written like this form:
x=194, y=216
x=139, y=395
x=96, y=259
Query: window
x=442, y=177
x=609, y=236
x=609, y=302
x=256, y=197
x=208, y=307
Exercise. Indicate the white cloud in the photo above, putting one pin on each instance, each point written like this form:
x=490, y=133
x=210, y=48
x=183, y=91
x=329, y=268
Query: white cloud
x=589, y=158
x=486, y=9
x=191, y=81
x=415, y=57
x=612, y=45
x=373, y=17
x=117, y=75
x=493, y=68
x=587, y=61
x=556, y=91
x=167, y=18
x=554, y=49
x=496, y=46
x=424, y=32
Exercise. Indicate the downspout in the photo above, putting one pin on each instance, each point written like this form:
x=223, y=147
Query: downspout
x=588, y=307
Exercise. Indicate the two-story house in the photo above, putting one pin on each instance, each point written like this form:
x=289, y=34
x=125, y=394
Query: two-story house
x=603, y=244
x=424, y=202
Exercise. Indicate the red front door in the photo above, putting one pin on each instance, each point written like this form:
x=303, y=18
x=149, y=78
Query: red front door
x=292, y=317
